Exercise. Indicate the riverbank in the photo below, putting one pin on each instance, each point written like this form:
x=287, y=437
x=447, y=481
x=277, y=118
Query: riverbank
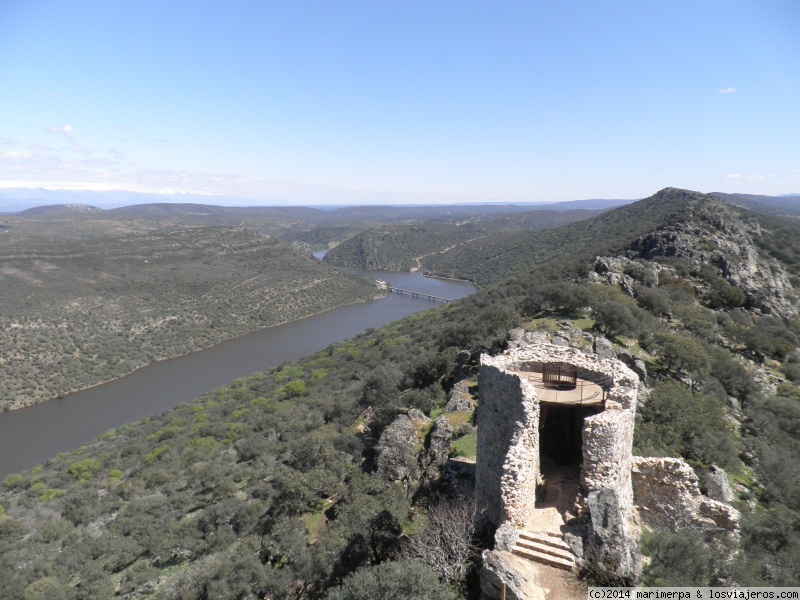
x=33, y=434
x=20, y=403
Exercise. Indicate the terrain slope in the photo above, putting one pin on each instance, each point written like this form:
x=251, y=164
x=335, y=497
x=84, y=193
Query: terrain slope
x=406, y=247
x=80, y=312
x=306, y=480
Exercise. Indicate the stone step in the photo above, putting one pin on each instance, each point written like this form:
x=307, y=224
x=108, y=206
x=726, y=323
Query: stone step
x=551, y=539
x=541, y=557
x=564, y=553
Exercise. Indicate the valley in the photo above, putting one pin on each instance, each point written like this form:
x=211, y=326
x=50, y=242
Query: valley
x=77, y=313
x=306, y=479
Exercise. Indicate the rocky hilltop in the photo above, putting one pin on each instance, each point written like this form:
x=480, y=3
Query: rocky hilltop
x=300, y=482
x=715, y=233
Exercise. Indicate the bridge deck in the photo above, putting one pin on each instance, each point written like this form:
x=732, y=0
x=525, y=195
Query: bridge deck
x=414, y=294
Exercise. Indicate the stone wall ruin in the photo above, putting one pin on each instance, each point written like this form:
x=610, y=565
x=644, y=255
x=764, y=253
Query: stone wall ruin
x=508, y=465
x=618, y=492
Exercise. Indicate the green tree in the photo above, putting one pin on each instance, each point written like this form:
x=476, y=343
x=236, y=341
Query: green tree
x=84, y=470
x=680, y=353
x=614, y=318
x=676, y=559
x=724, y=295
x=676, y=421
x=46, y=588
x=406, y=579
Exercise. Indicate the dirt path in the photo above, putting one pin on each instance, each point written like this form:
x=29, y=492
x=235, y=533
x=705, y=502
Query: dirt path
x=558, y=584
x=419, y=258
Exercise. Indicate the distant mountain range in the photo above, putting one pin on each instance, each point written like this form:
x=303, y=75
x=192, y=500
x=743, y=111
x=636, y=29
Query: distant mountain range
x=15, y=200
x=777, y=205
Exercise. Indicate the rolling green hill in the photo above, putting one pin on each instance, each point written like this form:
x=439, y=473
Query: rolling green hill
x=77, y=313
x=490, y=260
x=406, y=247
x=268, y=487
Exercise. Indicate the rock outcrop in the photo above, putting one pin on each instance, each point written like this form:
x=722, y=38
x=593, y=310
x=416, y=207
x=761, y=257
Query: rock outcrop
x=719, y=488
x=718, y=237
x=397, y=452
x=460, y=399
x=611, y=552
x=498, y=567
x=667, y=494
x=437, y=448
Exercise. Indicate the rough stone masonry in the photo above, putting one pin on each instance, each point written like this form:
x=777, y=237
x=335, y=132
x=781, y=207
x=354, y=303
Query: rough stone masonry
x=611, y=506
x=508, y=448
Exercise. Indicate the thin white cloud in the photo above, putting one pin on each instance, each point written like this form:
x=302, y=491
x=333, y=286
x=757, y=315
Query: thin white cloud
x=740, y=177
x=61, y=129
x=149, y=140
x=728, y=90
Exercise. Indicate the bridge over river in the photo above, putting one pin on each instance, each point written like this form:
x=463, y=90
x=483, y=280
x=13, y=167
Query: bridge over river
x=414, y=294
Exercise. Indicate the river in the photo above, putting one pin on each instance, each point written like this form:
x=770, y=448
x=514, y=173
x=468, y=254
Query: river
x=30, y=435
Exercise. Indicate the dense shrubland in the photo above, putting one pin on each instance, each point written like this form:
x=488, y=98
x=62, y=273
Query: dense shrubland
x=77, y=314
x=397, y=248
x=265, y=488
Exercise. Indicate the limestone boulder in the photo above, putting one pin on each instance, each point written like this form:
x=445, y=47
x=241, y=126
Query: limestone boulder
x=460, y=399
x=611, y=550
x=603, y=347
x=438, y=447
x=639, y=368
x=397, y=452
x=516, y=335
x=666, y=493
x=498, y=567
x=719, y=488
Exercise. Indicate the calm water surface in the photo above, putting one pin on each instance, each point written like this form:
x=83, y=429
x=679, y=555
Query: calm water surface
x=31, y=435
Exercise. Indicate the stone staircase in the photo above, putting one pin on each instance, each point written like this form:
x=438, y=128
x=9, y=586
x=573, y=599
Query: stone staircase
x=545, y=547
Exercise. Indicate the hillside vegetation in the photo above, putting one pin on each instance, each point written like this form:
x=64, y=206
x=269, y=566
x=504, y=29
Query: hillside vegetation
x=268, y=487
x=406, y=247
x=77, y=313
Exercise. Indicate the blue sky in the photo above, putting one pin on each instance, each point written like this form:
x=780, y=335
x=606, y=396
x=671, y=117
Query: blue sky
x=401, y=101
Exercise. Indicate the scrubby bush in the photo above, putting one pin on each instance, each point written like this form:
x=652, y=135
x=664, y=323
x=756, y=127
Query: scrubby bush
x=655, y=301
x=676, y=421
x=407, y=579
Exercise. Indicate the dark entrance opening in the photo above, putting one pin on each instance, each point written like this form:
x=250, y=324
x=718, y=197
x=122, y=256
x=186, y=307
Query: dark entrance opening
x=561, y=453
x=560, y=432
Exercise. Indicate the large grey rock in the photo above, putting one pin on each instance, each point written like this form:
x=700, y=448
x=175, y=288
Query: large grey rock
x=536, y=337
x=633, y=363
x=719, y=488
x=460, y=402
x=667, y=495
x=438, y=447
x=639, y=368
x=460, y=399
x=611, y=551
x=602, y=347
x=516, y=335
x=417, y=415
x=498, y=567
x=397, y=452
x=626, y=357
